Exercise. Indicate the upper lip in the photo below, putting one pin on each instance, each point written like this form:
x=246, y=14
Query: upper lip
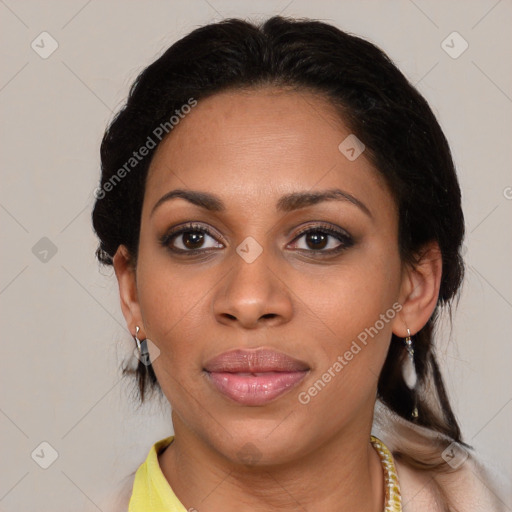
x=252, y=361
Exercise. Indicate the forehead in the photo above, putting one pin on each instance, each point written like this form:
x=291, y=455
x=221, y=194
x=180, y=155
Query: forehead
x=257, y=142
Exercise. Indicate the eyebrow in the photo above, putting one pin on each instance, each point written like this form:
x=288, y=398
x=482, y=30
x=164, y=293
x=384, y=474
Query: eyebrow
x=286, y=203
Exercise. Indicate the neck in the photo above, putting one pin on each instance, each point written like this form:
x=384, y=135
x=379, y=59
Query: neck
x=344, y=473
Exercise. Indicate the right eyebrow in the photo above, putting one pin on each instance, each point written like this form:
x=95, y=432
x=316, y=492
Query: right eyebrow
x=202, y=199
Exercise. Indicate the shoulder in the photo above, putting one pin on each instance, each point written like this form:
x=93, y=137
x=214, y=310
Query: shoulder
x=473, y=485
x=466, y=489
x=418, y=489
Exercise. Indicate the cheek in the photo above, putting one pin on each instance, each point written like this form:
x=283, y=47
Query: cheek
x=176, y=307
x=171, y=304
x=351, y=297
x=167, y=292
x=351, y=324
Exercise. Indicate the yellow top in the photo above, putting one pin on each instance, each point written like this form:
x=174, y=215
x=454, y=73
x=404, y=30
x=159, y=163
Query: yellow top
x=152, y=492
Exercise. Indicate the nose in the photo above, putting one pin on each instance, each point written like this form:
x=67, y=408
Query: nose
x=253, y=295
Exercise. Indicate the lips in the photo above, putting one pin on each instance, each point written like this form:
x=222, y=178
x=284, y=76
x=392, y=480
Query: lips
x=254, y=377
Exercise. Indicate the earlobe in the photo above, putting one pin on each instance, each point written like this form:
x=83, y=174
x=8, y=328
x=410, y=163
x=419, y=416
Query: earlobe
x=419, y=292
x=126, y=280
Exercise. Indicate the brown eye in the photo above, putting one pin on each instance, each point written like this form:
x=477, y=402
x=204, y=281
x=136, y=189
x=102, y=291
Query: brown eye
x=190, y=238
x=322, y=240
x=316, y=240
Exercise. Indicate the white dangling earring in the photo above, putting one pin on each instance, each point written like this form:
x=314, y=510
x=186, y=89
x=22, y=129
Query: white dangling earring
x=409, y=370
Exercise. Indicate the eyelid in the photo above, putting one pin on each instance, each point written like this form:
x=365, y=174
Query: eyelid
x=322, y=226
x=166, y=238
x=344, y=237
x=192, y=226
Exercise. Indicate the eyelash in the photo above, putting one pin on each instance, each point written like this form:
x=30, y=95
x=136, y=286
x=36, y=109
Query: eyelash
x=342, y=236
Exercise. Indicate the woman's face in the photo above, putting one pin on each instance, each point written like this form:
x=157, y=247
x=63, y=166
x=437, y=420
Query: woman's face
x=245, y=276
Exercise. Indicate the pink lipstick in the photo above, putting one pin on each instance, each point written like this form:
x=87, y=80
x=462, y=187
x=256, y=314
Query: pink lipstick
x=254, y=377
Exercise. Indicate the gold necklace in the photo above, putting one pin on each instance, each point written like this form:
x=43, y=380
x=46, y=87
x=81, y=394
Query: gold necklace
x=393, y=501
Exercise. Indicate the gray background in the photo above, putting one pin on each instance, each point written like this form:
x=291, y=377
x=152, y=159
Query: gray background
x=63, y=334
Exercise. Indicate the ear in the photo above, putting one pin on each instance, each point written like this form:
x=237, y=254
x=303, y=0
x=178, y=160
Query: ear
x=419, y=290
x=126, y=279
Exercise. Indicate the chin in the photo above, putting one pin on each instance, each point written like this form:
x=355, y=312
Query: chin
x=254, y=444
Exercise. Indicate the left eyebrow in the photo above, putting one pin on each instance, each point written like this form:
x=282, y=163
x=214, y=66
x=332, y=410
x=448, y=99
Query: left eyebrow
x=286, y=203
x=297, y=200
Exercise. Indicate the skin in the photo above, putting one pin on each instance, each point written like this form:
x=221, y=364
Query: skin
x=249, y=148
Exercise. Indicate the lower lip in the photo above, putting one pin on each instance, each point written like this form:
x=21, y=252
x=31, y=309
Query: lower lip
x=254, y=390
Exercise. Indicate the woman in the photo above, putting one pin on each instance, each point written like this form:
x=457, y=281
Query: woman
x=283, y=216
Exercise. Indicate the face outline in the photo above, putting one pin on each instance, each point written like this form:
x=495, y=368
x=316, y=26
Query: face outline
x=249, y=148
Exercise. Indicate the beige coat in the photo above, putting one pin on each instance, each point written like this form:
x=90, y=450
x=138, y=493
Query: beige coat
x=470, y=486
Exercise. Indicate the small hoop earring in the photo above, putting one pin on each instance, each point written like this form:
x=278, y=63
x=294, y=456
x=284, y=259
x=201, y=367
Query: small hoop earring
x=409, y=371
x=142, y=349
